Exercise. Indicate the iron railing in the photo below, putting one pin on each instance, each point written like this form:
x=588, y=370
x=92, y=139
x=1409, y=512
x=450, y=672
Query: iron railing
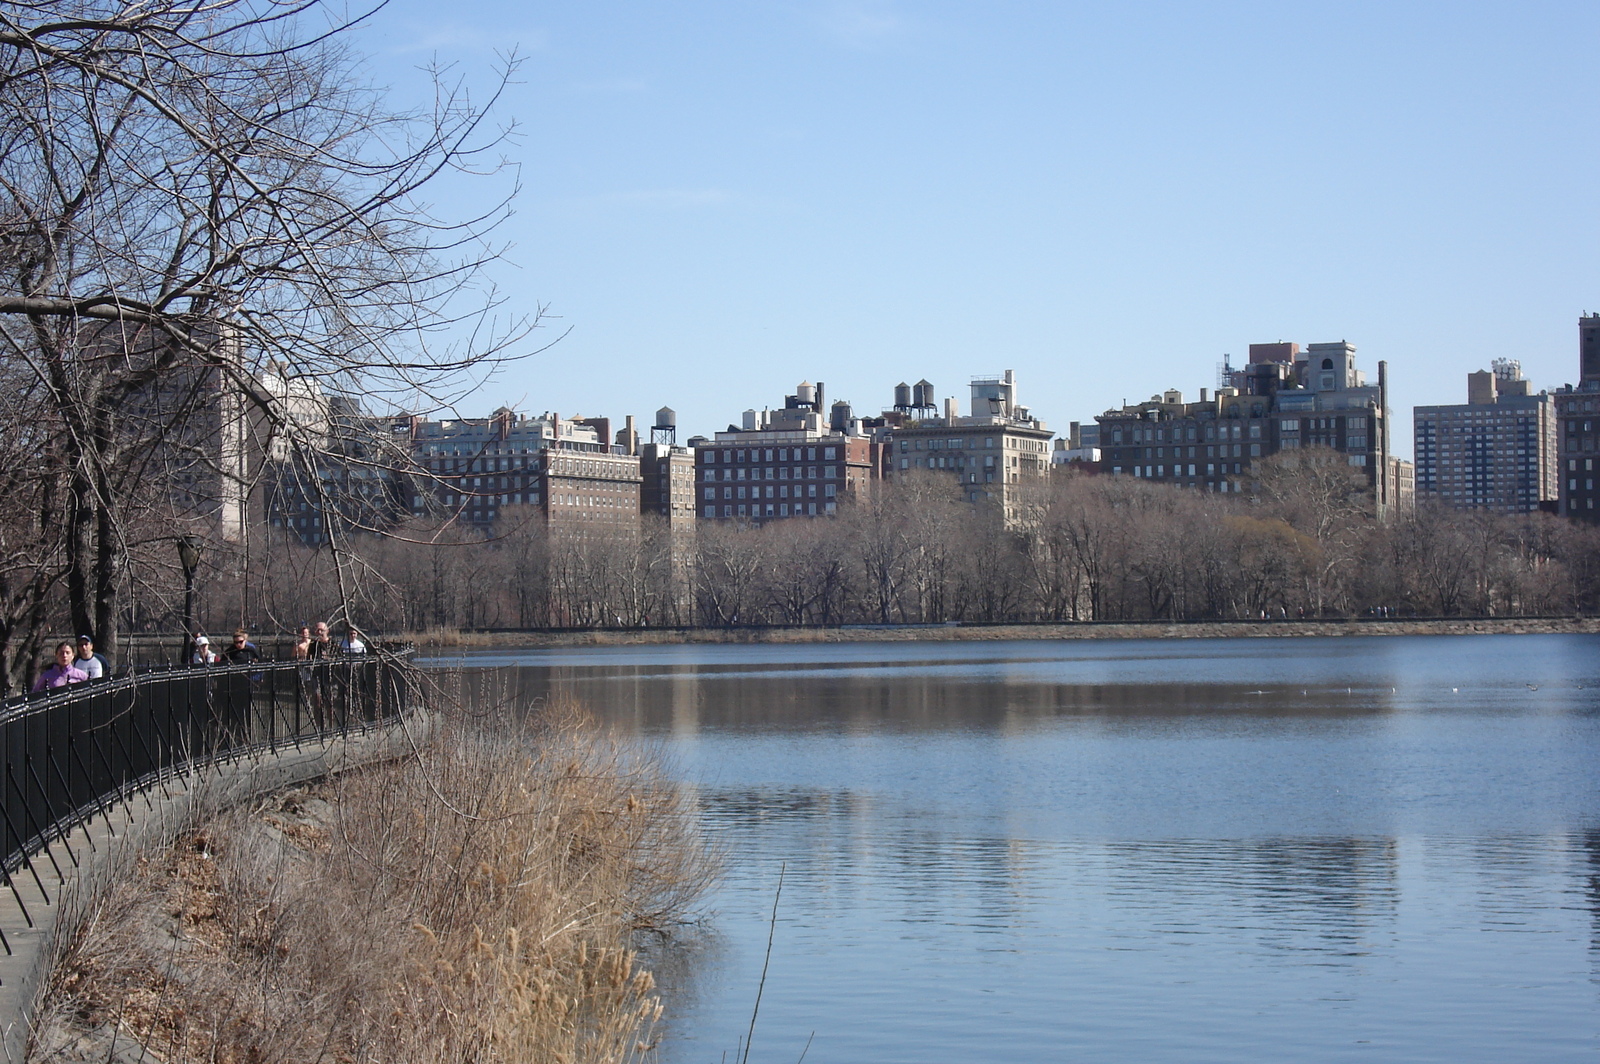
x=72, y=753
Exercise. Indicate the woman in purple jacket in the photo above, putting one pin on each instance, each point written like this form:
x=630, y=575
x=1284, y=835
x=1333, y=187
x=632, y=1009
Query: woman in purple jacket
x=63, y=671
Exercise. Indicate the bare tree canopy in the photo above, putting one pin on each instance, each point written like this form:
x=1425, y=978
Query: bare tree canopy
x=193, y=193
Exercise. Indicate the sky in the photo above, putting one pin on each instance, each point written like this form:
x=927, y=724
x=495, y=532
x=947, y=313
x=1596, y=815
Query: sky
x=718, y=200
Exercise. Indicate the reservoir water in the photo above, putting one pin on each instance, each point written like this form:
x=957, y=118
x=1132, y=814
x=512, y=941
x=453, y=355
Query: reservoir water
x=1323, y=850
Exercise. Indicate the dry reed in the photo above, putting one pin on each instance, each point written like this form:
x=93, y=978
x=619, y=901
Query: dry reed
x=475, y=902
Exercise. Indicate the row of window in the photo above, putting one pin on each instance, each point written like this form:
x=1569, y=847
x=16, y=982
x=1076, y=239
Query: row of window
x=950, y=461
x=959, y=444
x=800, y=491
x=1212, y=451
x=781, y=509
x=782, y=473
x=1180, y=433
x=1315, y=424
x=1153, y=471
x=783, y=454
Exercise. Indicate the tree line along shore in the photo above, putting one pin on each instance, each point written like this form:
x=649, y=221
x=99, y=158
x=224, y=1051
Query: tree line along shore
x=1073, y=549
x=460, y=639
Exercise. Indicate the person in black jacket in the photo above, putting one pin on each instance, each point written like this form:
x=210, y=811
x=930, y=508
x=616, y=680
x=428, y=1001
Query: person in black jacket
x=243, y=652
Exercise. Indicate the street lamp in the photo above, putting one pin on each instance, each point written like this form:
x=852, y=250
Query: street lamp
x=189, y=555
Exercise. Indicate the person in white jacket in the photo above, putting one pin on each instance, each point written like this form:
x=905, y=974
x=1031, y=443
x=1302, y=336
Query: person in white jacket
x=200, y=652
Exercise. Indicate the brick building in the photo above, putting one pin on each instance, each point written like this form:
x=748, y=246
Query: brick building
x=566, y=471
x=1285, y=398
x=785, y=462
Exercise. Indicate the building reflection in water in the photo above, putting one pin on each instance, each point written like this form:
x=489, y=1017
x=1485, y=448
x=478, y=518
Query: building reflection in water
x=1344, y=857
x=680, y=700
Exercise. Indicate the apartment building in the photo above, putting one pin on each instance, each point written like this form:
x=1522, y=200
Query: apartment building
x=566, y=471
x=785, y=462
x=347, y=476
x=989, y=452
x=1285, y=398
x=1495, y=452
x=1578, y=428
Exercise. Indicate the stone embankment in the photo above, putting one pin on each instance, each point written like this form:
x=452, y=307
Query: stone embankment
x=987, y=632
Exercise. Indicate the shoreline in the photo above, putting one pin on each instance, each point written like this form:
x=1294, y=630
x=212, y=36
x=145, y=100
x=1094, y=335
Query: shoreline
x=998, y=632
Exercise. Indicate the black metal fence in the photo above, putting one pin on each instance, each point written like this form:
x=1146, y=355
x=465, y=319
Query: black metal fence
x=74, y=752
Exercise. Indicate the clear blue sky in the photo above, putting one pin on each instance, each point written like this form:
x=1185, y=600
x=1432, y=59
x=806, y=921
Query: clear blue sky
x=722, y=199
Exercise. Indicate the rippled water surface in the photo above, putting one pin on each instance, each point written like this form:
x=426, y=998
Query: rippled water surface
x=1374, y=849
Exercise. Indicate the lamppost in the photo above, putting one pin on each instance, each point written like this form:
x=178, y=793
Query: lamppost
x=189, y=555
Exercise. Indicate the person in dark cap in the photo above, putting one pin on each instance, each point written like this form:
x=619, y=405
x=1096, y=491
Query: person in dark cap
x=90, y=660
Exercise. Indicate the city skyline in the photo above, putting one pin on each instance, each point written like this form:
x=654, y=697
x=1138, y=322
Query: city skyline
x=1107, y=201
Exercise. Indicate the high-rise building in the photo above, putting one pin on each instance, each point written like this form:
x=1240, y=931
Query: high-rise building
x=1495, y=452
x=1284, y=398
x=1578, y=427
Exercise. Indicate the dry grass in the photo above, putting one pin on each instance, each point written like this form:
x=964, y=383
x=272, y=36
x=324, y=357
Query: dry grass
x=474, y=903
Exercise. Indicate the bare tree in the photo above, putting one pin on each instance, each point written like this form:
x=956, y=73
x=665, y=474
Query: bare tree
x=1320, y=495
x=189, y=192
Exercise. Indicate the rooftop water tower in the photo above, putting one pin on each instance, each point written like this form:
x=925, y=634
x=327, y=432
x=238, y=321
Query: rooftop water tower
x=665, y=430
